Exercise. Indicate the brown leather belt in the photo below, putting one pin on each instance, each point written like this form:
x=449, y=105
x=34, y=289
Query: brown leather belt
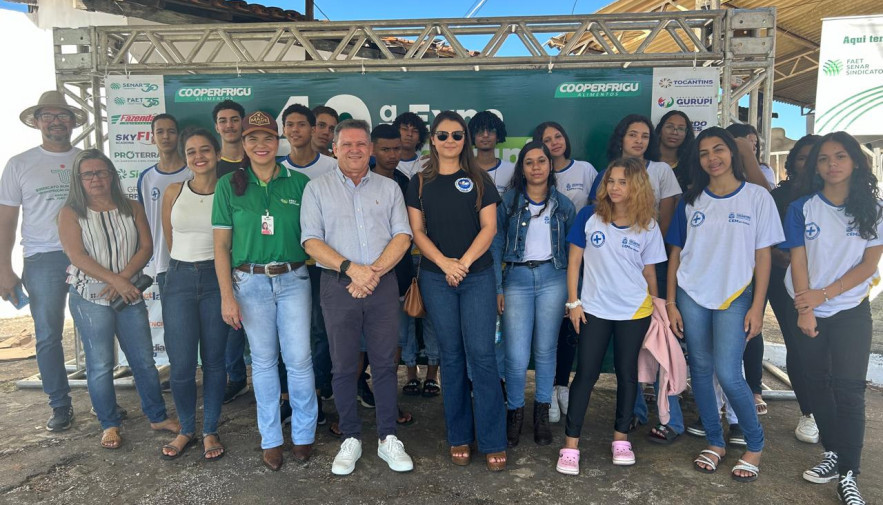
x=270, y=269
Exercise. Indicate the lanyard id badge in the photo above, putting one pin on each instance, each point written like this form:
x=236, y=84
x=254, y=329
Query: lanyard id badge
x=267, y=224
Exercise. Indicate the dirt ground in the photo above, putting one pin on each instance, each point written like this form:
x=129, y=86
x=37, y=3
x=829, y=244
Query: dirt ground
x=71, y=468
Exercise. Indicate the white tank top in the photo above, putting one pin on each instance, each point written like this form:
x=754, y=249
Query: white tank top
x=192, y=226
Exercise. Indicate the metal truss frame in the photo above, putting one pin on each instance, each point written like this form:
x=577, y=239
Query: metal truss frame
x=740, y=42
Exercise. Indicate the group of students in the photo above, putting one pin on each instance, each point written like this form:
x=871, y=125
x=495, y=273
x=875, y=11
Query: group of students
x=568, y=259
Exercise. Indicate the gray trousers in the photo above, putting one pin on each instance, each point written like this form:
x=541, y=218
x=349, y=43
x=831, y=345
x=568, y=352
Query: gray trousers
x=346, y=320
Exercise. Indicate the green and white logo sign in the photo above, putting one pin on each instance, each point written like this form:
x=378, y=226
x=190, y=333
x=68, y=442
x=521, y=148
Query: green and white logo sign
x=832, y=67
x=593, y=89
x=213, y=94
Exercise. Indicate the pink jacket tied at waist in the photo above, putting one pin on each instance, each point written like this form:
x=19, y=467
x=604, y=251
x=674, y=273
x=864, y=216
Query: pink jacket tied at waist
x=662, y=353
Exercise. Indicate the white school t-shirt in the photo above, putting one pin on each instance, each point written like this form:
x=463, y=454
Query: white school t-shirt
x=718, y=236
x=614, y=258
x=152, y=186
x=502, y=174
x=575, y=182
x=412, y=166
x=321, y=165
x=38, y=181
x=538, y=239
x=663, y=180
x=833, y=247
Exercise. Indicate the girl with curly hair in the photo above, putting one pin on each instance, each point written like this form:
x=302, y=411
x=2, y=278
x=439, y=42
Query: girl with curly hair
x=616, y=243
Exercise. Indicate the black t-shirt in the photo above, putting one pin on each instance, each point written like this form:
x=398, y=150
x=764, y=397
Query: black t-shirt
x=225, y=167
x=452, y=222
x=404, y=269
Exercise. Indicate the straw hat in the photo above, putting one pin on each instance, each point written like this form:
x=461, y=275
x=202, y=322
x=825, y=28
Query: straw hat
x=51, y=99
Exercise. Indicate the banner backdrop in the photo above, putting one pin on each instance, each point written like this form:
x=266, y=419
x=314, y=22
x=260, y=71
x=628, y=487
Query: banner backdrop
x=849, y=95
x=693, y=91
x=587, y=103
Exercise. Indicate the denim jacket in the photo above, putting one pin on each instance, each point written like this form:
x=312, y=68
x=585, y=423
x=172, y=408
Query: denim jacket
x=508, y=244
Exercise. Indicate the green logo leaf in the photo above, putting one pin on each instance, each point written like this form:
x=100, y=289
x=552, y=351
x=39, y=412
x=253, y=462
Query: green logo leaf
x=119, y=101
x=832, y=68
x=115, y=85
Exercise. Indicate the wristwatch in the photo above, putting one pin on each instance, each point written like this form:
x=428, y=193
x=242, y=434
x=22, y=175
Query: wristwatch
x=344, y=266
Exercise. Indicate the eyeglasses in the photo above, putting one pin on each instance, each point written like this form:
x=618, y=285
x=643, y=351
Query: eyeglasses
x=443, y=135
x=680, y=130
x=48, y=117
x=101, y=174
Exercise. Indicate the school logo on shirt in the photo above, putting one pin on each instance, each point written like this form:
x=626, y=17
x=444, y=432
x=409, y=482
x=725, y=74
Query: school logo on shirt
x=697, y=219
x=631, y=244
x=289, y=201
x=575, y=186
x=852, y=231
x=811, y=231
x=154, y=194
x=735, y=217
x=546, y=220
x=597, y=239
x=464, y=184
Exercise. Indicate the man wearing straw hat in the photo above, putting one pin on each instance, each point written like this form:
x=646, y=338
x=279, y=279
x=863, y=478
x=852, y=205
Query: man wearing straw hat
x=37, y=182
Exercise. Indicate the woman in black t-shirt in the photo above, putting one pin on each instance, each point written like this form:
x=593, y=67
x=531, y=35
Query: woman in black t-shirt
x=454, y=232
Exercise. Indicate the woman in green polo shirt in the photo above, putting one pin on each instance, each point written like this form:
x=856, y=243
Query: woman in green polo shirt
x=264, y=283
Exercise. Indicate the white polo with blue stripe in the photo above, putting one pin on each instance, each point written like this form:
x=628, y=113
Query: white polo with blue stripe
x=718, y=237
x=575, y=181
x=833, y=248
x=614, y=258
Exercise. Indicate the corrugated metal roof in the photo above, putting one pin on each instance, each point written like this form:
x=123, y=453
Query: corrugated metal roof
x=798, y=35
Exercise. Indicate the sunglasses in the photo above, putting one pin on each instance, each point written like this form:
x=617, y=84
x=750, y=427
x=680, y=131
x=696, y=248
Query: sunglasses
x=443, y=135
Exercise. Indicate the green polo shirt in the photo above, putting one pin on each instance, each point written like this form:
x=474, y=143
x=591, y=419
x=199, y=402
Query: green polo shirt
x=242, y=214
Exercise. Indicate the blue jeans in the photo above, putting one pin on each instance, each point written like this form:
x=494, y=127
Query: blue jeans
x=676, y=422
x=276, y=316
x=97, y=325
x=534, y=301
x=408, y=340
x=234, y=359
x=716, y=341
x=464, y=319
x=193, y=323
x=44, y=277
x=318, y=334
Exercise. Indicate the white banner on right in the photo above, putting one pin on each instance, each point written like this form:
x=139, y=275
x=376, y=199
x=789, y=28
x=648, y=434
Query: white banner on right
x=849, y=95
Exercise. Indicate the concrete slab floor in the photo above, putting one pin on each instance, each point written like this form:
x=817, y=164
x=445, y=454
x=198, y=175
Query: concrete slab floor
x=71, y=468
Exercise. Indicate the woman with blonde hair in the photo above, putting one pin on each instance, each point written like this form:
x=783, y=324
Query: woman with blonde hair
x=617, y=241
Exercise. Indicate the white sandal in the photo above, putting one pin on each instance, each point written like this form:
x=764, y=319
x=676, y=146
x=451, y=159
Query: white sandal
x=745, y=467
x=705, y=460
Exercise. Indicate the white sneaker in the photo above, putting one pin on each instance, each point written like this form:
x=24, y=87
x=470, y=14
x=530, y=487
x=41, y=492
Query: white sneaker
x=345, y=461
x=554, y=411
x=392, y=450
x=806, y=430
x=563, y=399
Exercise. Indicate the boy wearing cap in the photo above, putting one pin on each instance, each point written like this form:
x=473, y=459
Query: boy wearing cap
x=37, y=182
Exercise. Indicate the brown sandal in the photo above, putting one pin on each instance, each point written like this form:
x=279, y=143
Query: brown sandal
x=461, y=455
x=110, y=438
x=496, y=461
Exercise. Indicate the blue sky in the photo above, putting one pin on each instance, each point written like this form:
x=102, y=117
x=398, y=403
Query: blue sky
x=342, y=10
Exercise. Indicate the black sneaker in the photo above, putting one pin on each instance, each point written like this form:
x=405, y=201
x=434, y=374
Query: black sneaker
x=696, y=429
x=847, y=490
x=285, y=411
x=61, y=419
x=365, y=395
x=737, y=437
x=234, y=390
x=824, y=472
x=321, y=419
